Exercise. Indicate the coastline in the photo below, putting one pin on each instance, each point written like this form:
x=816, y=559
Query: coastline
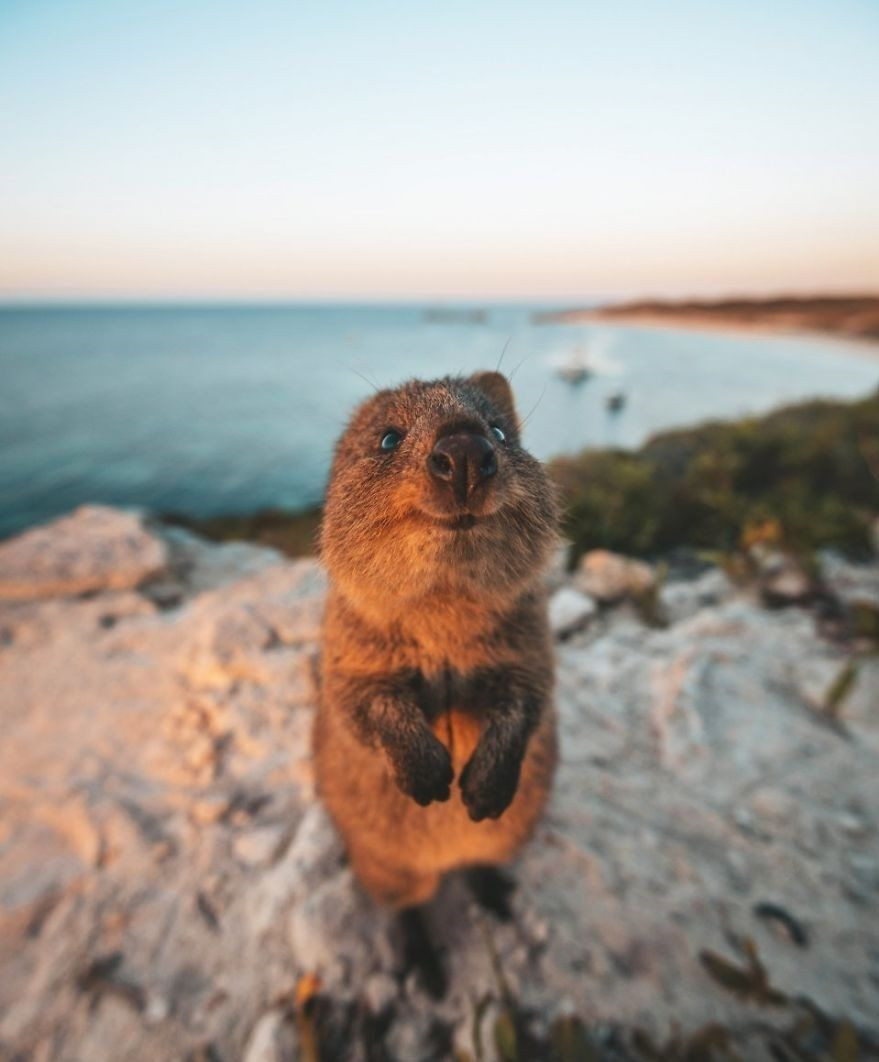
x=852, y=319
x=727, y=327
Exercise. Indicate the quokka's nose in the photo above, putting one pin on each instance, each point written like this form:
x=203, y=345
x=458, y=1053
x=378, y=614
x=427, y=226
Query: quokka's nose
x=462, y=460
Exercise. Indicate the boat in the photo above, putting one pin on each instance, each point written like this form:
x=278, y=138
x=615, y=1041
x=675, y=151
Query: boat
x=615, y=401
x=455, y=315
x=576, y=369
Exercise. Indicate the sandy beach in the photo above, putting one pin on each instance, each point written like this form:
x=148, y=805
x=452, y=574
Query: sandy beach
x=848, y=317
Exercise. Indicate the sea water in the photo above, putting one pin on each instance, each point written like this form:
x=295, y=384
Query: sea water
x=221, y=409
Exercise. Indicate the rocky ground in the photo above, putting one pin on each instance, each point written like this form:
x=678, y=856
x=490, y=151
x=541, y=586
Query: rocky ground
x=707, y=877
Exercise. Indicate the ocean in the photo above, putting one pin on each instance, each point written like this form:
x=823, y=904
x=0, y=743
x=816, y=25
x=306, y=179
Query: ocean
x=213, y=409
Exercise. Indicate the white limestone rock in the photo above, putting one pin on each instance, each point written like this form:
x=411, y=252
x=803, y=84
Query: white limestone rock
x=610, y=577
x=93, y=549
x=570, y=611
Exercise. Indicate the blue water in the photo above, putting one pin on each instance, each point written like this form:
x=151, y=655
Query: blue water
x=216, y=409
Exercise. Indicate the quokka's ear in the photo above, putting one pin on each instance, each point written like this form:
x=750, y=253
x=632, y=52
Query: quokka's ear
x=497, y=387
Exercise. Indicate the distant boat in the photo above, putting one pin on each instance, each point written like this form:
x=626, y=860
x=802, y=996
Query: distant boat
x=615, y=401
x=576, y=369
x=455, y=315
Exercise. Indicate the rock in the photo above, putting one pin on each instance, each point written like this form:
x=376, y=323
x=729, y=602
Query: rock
x=240, y=632
x=865, y=869
x=168, y=876
x=336, y=932
x=852, y=584
x=209, y=809
x=610, y=577
x=557, y=573
x=681, y=599
x=260, y=846
x=380, y=992
x=852, y=823
x=94, y=549
x=156, y=1009
x=273, y=1039
x=202, y=565
x=788, y=586
x=781, y=578
x=313, y=856
x=570, y=611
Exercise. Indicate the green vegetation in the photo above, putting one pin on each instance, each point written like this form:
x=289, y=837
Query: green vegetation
x=802, y=477
x=294, y=534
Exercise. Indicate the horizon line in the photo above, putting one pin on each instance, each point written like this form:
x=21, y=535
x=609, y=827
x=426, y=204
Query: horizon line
x=569, y=300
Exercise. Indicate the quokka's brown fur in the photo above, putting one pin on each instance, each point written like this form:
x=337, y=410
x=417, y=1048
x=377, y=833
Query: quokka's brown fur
x=436, y=658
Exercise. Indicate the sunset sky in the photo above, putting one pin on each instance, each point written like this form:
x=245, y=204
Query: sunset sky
x=473, y=150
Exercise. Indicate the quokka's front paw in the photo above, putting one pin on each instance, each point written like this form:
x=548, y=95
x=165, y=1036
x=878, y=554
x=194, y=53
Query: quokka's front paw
x=423, y=769
x=489, y=782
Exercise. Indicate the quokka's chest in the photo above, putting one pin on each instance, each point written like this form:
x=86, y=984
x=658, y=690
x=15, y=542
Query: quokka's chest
x=456, y=707
x=459, y=731
x=437, y=646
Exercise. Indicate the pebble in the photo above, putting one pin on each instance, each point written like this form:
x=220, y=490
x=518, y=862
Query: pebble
x=258, y=847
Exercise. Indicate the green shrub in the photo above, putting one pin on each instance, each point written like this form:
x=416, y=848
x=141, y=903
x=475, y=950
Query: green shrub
x=292, y=533
x=809, y=473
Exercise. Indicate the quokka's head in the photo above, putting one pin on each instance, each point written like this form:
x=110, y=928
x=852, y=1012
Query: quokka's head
x=430, y=487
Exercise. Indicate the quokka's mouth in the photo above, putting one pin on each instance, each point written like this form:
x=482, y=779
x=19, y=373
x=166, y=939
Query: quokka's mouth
x=434, y=516
x=457, y=523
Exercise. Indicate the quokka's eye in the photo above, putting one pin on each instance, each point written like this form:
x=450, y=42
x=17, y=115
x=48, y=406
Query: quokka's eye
x=391, y=440
x=498, y=433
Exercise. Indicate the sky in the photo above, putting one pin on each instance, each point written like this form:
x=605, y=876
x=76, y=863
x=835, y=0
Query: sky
x=463, y=150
